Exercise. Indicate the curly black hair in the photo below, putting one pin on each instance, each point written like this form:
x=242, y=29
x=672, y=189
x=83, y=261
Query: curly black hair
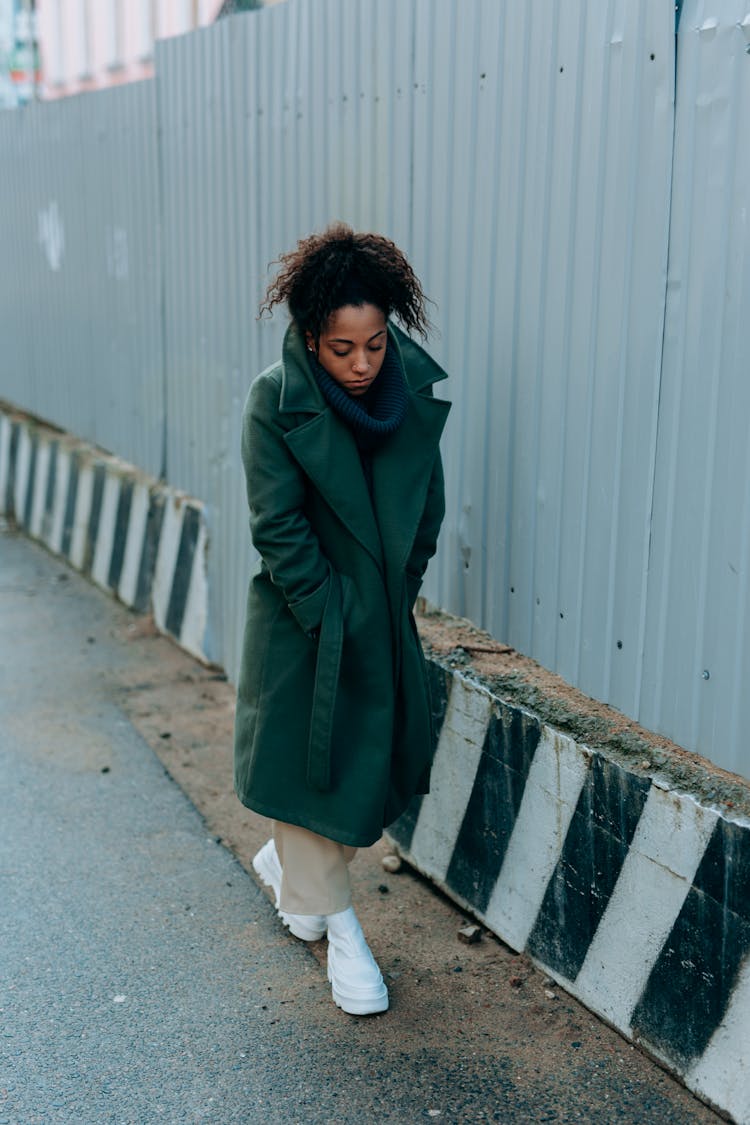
x=342, y=267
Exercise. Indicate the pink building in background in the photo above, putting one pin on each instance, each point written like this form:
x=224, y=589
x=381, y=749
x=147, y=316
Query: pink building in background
x=87, y=44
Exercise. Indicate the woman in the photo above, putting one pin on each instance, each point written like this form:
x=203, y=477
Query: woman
x=345, y=487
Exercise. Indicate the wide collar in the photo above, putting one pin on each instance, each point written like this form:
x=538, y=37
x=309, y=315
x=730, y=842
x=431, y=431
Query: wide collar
x=386, y=523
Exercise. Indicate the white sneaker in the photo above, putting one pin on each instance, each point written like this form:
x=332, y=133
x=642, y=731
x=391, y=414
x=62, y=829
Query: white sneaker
x=308, y=927
x=357, y=984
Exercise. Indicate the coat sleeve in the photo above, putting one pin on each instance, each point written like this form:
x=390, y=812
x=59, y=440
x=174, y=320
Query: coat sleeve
x=425, y=540
x=280, y=530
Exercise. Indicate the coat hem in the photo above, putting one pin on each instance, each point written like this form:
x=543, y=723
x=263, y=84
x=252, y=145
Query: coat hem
x=310, y=823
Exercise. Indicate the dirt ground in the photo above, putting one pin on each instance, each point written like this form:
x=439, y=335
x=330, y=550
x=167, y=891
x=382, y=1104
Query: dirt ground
x=493, y=1006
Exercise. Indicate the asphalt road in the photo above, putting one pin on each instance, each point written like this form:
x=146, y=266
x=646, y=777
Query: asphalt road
x=143, y=975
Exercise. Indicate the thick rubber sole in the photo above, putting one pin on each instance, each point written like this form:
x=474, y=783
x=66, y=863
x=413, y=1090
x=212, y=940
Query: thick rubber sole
x=360, y=1007
x=295, y=923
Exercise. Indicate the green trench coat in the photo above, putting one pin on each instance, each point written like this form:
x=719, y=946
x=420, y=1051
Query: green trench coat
x=333, y=726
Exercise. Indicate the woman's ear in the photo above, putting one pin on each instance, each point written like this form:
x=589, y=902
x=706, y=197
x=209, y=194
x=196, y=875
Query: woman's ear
x=310, y=341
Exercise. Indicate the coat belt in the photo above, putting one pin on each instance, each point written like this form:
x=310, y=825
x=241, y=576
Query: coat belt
x=330, y=644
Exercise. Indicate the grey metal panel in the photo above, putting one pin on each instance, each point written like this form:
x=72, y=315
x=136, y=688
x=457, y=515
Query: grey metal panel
x=541, y=203
x=697, y=663
x=201, y=131
x=630, y=160
x=15, y=360
x=83, y=308
x=124, y=313
x=55, y=238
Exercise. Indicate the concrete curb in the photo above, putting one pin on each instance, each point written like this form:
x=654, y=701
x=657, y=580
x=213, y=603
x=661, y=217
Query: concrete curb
x=141, y=541
x=633, y=896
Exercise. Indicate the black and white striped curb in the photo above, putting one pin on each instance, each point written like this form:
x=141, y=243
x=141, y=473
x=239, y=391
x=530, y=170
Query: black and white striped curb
x=140, y=540
x=635, y=897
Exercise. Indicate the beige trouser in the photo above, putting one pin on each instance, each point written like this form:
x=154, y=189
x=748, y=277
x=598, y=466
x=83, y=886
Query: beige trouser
x=315, y=871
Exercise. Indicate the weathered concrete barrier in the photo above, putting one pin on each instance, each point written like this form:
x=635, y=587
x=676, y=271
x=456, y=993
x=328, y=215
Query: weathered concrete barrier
x=628, y=883
x=634, y=896
x=141, y=540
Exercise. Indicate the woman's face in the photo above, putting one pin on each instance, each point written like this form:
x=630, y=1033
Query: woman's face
x=352, y=346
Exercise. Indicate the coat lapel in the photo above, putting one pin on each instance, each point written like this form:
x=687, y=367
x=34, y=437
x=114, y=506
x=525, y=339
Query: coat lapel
x=326, y=451
x=401, y=476
x=402, y=468
x=324, y=447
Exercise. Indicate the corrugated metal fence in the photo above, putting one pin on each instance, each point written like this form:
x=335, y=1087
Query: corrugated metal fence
x=80, y=285
x=529, y=158
x=696, y=665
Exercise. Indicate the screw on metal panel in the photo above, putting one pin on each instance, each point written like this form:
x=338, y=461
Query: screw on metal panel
x=706, y=674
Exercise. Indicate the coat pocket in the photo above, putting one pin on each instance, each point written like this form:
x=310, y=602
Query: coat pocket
x=413, y=586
